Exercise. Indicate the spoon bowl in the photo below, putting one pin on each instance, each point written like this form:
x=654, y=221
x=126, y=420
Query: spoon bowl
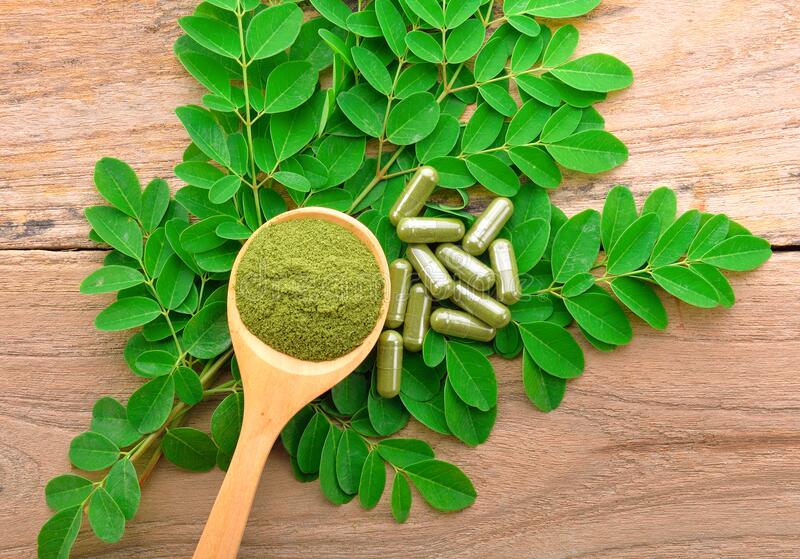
x=276, y=386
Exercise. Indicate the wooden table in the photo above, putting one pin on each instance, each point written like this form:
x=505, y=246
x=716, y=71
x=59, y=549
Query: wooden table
x=683, y=444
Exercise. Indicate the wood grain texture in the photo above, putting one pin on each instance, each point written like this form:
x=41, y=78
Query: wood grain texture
x=714, y=112
x=683, y=444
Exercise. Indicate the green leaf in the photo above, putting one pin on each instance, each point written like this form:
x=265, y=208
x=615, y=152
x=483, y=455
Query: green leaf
x=206, y=335
x=601, y=316
x=416, y=79
x=342, y=156
x=150, y=406
x=662, y=202
x=333, y=198
x=577, y=284
x=441, y=141
x=430, y=413
x=387, y=415
x=418, y=381
x=590, y=151
x=674, y=242
x=543, y=390
x=291, y=131
x=350, y=394
x=233, y=230
x=350, y=457
x=527, y=124
x=273, y=30
x=372, y=482
x=189, y=449
x=576, y=245
x=539, y=89
x=365, y=108
x=619, y=212
x=293, y=181
x=530, y=203
x=208, y=71
x=198, y=173
x=289, y=85
x=561, y=46
x=471, y=375
x=561, y=124
x=327, y=470
x=111, y=278
x=493, y=174
x=224, y=189
x=105, y=517
x=537, y=165
x=110, y=419
x=412, y=119
x=491, y=60
x=334, y=11
x=67, y=491
x=220, y=259
x=229, y=5
x=442, y=485
x=434, y=348
x=92, y=451
x=58, y=534
x=686, y=285
x=425, y=46
x=205, y=132
x=717, y=279
x=740, y=253
x=174, y=283
x=527, y=51
x=634, y=246
x=404, y=452
x=122, y=485
x=464, y=41
x=640, y=298
x=365, y=24
x=188, y=388
x=560, y=8
x=226, y=423
x=401, y=498
x=430, y=11
x=532, y=309
x=482, y=129
x=712, y=232
x=498, y=98
x=127, y=313
x=309, y=450
x=553, y=349
x=391, y=22
x=529, y=240
x=525, y=25
x=468, y=424
x=453, y=172
x=155, y=201
x=119, y=185
x=202, y=236
x=213, y=34
x=457, y=13
x=595, y=72
x=373, y=70
x=116, y=229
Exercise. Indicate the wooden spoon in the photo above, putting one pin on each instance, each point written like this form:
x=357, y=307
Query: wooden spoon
x=276, y=387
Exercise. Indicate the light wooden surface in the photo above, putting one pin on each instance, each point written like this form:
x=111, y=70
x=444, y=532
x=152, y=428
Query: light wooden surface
x=683, y=444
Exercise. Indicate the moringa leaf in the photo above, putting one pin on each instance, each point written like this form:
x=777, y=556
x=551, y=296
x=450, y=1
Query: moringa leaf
x=111, y=278
x=129, y=312
x=189, y=449
x=273, y=30
x=68, y=491
x=401, y=498
x=590, y=151
x=119, y=185
x=576, y=245
x=740, y=253
x=545, y=391
x=373, y=481
x=412, y=119
x=105, y=516
x=595, y=72
x=640, y=298
x=634, y=246
x=471, y=376
x=92, y=452
x=442, y=485
x=553, y=349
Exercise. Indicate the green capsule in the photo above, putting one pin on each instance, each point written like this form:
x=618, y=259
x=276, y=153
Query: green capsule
x=400, y=280
x=487, y=226
x=430, y=229
x=432, y=273
x=418, y=317
x=389, y=362
x=483, y=306
x=465, y=266
x=450, y=322
x=415, y=194
x=504, y=264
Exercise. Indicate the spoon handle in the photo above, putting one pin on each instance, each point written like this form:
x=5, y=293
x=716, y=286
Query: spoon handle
x=226, y=523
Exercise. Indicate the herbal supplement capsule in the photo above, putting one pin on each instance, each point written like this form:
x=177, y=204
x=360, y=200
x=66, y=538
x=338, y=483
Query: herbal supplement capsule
x=389, y=363
x=450, y=322
x=430, y=229
x=483, y=306
x=465, y=266
x=504, y=264
x=400, y=280
x=432, y=273
x=417, y=317
x=415, y=194
x=487, y=226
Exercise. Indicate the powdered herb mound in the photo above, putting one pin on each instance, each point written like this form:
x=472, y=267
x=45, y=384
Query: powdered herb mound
x=309, y=288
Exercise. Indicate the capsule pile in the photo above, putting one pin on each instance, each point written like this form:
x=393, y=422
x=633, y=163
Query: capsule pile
x=479, y=277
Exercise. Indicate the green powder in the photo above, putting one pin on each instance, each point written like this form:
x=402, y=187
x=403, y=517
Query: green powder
x=309, y=288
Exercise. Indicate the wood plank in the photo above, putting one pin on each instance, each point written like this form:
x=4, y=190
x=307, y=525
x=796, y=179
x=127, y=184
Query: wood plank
x=714, y=112
x=683, y=444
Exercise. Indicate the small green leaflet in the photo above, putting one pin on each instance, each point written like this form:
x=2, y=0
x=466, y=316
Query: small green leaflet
x=576, y=245
x=412, y=119
x=273, y=30
x=67, y=491
x=560, y=8
x=740, y=253
x=601, y=316
x=127, y=313
x=442, y=485
x=543, y=390
x=634, y=246
x=471, y=375
x=590, y=151
x=553, y=349
x=373, y=481
x=105, y=516
x=640, y=298
x=119, y=185
x=92, y=451
x=111, y=278
x=373, y=70
x=290, y=85
x=595, y=72
x=401, y=498
x=190, y=449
